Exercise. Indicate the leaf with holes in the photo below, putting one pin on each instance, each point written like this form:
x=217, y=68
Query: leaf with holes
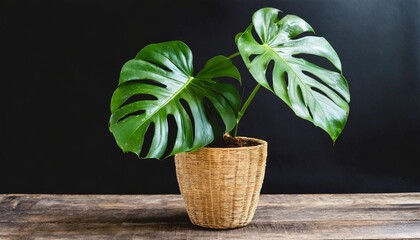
x=161, y=77
x=313, y=92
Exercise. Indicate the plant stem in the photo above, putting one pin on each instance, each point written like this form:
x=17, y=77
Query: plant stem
x=234, y=55
x=244, y=107
x=247, y=102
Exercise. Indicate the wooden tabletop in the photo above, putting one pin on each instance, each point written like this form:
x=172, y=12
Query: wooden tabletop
x=332, y=216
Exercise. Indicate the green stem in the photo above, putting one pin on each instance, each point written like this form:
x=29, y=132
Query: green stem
x=234, y=55
x=244, y=107
x=248, y=101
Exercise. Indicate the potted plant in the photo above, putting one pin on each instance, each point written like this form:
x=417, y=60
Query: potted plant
x=221, y=184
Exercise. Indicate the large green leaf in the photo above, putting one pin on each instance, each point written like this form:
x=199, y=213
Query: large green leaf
x=322, y=96
x=161, y=75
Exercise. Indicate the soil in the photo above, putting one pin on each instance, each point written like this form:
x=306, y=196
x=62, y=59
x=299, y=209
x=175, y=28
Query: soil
x=231, y=142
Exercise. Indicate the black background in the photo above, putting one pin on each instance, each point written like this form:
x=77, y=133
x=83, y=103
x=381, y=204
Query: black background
x=60, y=61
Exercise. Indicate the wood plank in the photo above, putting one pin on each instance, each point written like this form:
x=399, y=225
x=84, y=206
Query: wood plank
x=341, y=216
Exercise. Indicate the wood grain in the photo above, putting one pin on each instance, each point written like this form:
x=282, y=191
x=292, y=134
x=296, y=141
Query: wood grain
x=336, y=216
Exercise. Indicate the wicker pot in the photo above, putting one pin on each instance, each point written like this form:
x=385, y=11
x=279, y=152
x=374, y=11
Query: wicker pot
x=221, y=186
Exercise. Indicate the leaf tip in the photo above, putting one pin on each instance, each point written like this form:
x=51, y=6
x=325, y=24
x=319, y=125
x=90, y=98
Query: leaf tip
x=334, y=140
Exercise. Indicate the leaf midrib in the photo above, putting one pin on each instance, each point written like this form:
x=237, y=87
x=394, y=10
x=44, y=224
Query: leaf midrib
x=164, y=104
x=292, y=69
x=268, y=47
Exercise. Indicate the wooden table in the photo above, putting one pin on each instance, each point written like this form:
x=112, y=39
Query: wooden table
x=336, y=216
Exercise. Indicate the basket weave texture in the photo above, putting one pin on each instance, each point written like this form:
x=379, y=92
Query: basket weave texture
x=221, y=186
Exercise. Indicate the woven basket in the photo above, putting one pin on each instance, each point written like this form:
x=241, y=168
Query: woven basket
x=221, y=186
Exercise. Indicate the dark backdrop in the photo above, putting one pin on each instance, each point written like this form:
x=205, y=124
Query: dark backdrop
x=60, y=61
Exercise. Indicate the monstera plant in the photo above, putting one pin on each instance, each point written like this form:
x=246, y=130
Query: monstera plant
x=160, y=84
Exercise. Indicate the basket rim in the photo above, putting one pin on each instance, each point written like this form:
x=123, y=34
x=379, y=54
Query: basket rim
x=257, y=140
x=261, y=143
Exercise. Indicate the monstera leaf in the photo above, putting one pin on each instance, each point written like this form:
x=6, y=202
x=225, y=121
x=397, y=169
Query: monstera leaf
x=313, y=92
x=160, y=80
